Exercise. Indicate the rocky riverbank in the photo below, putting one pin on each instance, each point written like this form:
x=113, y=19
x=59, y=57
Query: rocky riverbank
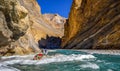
x=112, y=52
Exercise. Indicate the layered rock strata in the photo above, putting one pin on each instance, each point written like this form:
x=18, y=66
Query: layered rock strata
x=93, y=24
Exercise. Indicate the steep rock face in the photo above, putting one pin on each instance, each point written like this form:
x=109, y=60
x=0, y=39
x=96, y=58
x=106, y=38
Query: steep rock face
x=14, y=20
x=21, y=26
x=56, y=21
x=15, y=27
x=93, y=24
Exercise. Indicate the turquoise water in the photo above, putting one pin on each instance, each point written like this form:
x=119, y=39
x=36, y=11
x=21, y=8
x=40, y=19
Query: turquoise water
x=63, y=60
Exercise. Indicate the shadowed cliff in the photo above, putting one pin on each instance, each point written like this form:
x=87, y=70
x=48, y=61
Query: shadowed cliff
x=50, y=42
x=93, y=24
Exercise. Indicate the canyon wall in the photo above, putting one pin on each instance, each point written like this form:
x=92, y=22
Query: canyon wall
x=93, y=24
x=56, y=21
x=21, y=26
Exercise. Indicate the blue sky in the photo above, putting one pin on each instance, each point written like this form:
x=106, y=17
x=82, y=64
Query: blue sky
x=61, y=7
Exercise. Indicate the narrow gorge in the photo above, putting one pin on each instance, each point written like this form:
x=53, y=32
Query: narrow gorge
x=59, y=35
x=92, y=24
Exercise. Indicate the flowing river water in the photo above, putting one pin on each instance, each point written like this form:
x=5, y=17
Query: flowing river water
x=63, y=60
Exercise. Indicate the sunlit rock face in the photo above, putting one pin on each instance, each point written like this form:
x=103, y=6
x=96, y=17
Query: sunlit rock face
x=14, y=20
x=93, y=24
x=21, y=26
x=56, y=21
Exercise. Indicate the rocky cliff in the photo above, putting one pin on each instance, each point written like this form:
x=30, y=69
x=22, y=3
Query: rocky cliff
x=21, y=26
x=93, y=24
x=56, y=21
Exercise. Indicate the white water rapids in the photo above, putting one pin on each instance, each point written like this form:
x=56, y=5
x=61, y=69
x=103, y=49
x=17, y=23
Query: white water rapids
x=27, y=59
